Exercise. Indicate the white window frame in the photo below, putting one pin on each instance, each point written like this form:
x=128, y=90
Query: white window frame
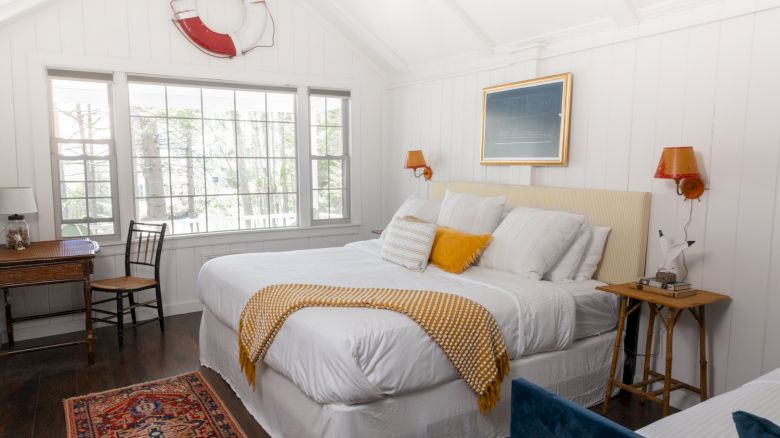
x=116, y=75
x=346, y=126
x=167, y=81
x=54, y=141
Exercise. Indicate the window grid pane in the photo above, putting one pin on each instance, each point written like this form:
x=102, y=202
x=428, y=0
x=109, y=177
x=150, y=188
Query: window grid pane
x=83, y=145
x=229, y=160
x=329, y=164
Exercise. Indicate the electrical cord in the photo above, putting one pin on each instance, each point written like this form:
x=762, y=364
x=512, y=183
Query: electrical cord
x=685, y=234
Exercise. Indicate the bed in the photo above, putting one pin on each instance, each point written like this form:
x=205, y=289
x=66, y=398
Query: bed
x=367, y=372
x=712, y=418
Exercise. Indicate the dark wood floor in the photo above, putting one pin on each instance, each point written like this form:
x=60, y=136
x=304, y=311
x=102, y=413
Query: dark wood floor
x=33, y=385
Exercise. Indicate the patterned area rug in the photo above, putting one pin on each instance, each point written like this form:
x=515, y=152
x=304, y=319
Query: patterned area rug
x=180, y=406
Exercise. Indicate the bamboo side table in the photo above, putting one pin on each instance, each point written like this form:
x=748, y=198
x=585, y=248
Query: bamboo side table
x=674, y=308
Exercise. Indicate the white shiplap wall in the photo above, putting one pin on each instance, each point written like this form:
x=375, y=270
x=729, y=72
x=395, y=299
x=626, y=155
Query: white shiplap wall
x=711, y=85
x=138, y=36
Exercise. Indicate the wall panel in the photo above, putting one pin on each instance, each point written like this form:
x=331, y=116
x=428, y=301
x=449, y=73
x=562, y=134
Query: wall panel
x=713, y=86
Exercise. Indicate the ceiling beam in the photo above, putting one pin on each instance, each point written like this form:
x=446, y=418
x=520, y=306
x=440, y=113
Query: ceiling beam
x=455, y=6
x=11, y=9
x=358, y=34
x=623, y=12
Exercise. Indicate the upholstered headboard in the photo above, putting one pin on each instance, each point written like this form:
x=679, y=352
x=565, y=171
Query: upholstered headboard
x=627, y=213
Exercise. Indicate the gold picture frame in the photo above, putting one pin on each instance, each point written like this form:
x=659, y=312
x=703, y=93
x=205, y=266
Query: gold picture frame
x=527, y=122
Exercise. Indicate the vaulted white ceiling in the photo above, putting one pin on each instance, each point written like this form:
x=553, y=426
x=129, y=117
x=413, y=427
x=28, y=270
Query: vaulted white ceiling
x=10, y=9
x=402, y=34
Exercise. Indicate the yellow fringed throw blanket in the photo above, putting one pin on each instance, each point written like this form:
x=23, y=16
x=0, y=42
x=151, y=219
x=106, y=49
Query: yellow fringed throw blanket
x=465, y=331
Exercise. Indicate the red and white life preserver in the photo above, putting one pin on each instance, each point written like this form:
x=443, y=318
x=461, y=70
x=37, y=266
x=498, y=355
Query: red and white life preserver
x=256, y=17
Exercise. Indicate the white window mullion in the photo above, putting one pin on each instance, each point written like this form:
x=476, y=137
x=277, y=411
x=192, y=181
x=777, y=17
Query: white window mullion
x=124, y=162
x=337, y=210
x=304, y=158
x=77, y=93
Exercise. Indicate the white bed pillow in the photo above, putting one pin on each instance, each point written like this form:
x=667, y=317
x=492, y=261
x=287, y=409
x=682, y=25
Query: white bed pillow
x=593, y=253
x=530, y=241
x=565, y=269
x=469, y=213
x=423, y=209
x=408, y=242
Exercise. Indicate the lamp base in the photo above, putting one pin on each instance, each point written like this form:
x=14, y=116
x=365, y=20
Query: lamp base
x=665, y=277
x=17, y=233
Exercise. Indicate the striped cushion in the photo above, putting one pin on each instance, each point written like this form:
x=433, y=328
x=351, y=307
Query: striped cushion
x=418, y=207
x=408, y=242
x=469, y=213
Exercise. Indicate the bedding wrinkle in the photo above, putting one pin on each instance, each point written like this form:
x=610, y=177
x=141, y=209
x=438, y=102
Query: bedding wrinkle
x=356, y=355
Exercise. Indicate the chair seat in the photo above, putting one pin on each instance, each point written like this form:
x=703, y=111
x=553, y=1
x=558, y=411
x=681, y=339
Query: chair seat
x=124, y=284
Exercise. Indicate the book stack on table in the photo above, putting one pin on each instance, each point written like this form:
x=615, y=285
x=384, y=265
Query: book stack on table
x=677, y=289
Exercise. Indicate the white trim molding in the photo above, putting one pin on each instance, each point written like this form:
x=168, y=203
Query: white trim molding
x=653, y=20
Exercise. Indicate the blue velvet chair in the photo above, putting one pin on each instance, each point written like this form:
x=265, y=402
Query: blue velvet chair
x=538, y=413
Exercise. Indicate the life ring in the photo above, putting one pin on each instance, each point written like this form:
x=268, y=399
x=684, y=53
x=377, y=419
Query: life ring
x=256, y=17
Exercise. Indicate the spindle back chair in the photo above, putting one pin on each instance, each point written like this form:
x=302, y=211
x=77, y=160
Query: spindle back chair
x=143, y=249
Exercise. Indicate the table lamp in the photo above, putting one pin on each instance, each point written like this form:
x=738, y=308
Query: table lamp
x=415, y=160
x=15, y=202
x=679, y=163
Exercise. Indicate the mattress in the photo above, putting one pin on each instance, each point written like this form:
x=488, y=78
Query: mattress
x=357, y=355
x=596, y=311
x=578, y=373
x=712, y=419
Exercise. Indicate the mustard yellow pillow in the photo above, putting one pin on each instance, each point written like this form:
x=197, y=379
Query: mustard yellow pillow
x=455, y=251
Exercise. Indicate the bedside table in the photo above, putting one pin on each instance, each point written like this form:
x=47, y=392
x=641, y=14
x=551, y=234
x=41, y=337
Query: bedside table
x=674, y=308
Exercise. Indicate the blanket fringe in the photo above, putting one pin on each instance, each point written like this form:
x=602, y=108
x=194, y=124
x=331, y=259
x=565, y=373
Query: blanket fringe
x=247, y=366
x=492, y=394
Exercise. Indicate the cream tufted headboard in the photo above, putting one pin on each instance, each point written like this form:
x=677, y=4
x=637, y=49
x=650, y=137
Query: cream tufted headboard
x=627, y=213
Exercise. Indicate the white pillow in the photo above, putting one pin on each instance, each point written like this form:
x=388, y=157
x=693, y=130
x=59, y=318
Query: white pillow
x=593, y=253
x=422, y=209
x=471, y=214
x=530, y=241
x=565, y=269
x=408, y=242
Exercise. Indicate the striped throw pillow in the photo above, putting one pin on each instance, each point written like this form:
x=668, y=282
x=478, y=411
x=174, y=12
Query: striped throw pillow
x=408, y=242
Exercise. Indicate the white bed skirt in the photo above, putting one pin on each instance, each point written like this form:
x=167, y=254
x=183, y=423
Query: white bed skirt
x=448, y=410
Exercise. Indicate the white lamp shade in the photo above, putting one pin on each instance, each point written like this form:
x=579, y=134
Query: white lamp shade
x=17, y=200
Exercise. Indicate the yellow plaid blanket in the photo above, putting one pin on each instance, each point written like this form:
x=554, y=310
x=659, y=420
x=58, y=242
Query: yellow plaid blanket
x=465, y=331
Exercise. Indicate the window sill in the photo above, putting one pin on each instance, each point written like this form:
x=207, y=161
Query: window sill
x=243, y=236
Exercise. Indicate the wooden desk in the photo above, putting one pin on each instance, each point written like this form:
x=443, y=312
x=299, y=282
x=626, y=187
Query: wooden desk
x=674, y=308
x=57, y=261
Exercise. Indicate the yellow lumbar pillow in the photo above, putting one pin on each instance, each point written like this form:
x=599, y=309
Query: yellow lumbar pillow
x=455, y=251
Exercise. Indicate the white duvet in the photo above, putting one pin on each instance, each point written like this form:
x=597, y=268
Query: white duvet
x=355, y=355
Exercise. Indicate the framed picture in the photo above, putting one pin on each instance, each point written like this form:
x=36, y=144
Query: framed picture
x=527, y=122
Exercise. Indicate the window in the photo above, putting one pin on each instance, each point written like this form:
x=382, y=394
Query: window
x=84, y=158
x=208, y=158
x=329, y=155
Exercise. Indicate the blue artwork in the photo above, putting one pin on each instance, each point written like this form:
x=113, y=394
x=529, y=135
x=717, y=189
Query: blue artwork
x=527, y=122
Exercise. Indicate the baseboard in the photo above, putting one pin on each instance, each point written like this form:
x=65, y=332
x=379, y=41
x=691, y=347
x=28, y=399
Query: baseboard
x=74, y=323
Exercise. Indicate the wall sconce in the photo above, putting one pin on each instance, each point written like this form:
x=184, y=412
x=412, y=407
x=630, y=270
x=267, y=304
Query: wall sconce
x=415, y=160
x=679, y=163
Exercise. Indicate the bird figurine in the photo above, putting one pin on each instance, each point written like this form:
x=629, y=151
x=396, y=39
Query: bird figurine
x=673, y=268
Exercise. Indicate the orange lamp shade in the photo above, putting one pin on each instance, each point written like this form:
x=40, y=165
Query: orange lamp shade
x=677, y=163
x=414, y=160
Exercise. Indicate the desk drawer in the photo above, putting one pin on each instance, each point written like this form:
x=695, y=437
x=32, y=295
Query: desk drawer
x=41, y=274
